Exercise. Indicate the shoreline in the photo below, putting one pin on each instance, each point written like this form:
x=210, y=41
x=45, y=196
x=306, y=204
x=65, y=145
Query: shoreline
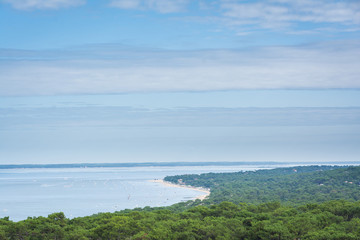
x=169, y=184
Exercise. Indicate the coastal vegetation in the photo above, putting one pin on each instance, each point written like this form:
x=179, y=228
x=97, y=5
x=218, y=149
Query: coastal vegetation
x=314, y=202
x=291, y=186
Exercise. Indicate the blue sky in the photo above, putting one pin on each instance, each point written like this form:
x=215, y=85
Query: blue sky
x=166, y=66
x=176, y=24
x=121, y=46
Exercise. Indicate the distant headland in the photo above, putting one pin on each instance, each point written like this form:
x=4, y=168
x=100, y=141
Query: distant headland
x=169, y=164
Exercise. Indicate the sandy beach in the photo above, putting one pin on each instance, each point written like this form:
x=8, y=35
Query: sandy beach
x=201, y=197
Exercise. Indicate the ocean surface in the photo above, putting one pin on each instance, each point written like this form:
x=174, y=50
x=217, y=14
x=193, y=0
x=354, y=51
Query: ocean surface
x=85, y=191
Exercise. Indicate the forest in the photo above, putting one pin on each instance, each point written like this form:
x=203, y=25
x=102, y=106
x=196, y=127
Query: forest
x=293, y=186
x=313, y=202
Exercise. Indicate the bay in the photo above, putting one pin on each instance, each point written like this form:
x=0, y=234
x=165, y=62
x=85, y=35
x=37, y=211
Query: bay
x=33, y=192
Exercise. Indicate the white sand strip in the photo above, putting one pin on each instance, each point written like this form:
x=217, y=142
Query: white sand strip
x=169, y=184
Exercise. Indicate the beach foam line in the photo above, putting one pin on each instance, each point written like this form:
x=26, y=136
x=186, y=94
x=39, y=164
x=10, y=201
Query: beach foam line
x=169, y=184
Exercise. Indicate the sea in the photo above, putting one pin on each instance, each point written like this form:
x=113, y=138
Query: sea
x=84, y=191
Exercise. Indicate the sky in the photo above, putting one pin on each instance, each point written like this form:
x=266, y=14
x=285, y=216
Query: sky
x=179, y=80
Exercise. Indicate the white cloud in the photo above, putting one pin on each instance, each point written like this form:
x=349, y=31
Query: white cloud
x=321, y=66
x=261, y=14
x=43, y=4
x=274, y=14
x=162, y=6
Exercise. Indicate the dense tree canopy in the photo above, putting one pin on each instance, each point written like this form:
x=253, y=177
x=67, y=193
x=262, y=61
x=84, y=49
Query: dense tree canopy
x=294, y=186
x=329, y=220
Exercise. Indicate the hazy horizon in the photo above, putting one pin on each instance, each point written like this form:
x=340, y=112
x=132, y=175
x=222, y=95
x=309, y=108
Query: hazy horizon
x=72, y=132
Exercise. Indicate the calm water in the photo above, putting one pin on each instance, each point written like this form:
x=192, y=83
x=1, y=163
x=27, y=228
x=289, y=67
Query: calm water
x=86, y=191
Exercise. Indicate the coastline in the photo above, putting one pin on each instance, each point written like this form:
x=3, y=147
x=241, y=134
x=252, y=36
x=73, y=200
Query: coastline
x=169, y=184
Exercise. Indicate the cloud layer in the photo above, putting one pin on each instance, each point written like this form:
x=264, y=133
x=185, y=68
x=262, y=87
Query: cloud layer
x=282, y=13
x=43, y=4
x=243, y=17
x=162, y=6
x=21, y=118
x=104, y=70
